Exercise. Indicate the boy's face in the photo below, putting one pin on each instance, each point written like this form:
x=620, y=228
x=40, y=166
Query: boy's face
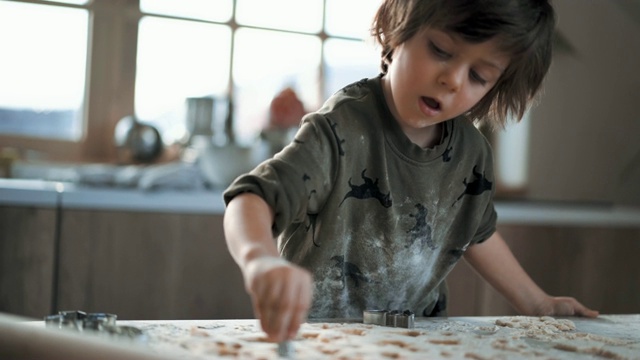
x=435, y=76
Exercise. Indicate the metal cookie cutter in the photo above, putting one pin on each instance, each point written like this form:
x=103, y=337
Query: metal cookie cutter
x=100, y=323
x=393, y=318
x=80, y=320
x=375, y=317
x=406, y=319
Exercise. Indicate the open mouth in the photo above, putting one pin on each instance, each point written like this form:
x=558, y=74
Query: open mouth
x=431, y=102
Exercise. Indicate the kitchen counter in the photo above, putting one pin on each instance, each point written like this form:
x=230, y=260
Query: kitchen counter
x=606, y=337
x=612, y=337
x=72, y=196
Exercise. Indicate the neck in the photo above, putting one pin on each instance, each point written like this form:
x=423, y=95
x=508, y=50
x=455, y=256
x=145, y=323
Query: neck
x=425, y=137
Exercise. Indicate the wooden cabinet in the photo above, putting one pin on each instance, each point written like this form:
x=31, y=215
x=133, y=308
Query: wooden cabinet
x=138, y=265
x=27, y=243
x=596, y=265
x=149, y=266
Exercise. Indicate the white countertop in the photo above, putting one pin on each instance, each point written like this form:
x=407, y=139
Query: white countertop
x=609, y=336
x=509, y=337
x=29, y=192
x=42, y=193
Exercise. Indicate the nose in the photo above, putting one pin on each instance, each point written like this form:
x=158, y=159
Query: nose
x=452, y=77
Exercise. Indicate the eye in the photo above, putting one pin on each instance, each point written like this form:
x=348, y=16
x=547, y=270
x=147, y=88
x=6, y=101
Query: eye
x=477, y=78
x=437, y=51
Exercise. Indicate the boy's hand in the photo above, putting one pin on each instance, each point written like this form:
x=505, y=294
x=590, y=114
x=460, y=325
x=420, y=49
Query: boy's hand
x=281, y=294
x=564, y=306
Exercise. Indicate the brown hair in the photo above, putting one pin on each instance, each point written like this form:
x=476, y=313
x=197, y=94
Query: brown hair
x=524, y=29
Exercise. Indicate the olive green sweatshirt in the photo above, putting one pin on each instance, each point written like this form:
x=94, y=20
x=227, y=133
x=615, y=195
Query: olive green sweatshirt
x=378, y=220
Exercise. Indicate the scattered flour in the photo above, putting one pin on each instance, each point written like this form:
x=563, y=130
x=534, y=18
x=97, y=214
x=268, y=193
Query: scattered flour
x=517, y=337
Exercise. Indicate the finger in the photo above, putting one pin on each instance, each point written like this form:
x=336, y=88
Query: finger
x=589, y=313
x=299, y=315
x=257, y=300
x=303, y=297
x=286, y=314
x=568, y=306
x=565, y=307
x=270, y=311
x=256, y=309
x=582, y=310
x=291, y=306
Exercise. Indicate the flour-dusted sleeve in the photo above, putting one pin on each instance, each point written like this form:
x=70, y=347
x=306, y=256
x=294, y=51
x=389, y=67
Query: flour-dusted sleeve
x=487, y=225
x=486, y=212
x=297, y=180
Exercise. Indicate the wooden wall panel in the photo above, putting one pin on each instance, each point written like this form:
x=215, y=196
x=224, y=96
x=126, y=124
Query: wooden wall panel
x=172, y=266
x=465, y=291
x=598, y=266
x=149, y=266
x=26, y=260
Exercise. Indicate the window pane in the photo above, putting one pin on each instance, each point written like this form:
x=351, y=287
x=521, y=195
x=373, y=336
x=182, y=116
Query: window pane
x=212, y=10
x=265, y=62
x=347, y=61
x=350, y=18
x=42, y=70
x=178, y=59
x=295, y=15
x=512, y=155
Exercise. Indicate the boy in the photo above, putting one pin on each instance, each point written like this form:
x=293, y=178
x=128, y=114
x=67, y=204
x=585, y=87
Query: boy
x=390, y=183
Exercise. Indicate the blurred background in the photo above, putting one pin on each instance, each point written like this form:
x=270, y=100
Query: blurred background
x=72, y=69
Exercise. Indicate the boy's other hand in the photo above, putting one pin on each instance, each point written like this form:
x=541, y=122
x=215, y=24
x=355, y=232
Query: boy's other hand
x=281, y=293
x=564, y=306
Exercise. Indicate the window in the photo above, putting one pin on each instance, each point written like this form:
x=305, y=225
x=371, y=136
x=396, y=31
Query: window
x=251, y=49
x=42, y=69
x=178, y=59
x=63, y=90
x=512, y=154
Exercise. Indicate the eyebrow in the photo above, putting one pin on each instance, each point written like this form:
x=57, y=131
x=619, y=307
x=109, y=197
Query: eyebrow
x=456, y=39
x=493, y=65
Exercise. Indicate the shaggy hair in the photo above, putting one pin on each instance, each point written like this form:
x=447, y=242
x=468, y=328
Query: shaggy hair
x=524, y=30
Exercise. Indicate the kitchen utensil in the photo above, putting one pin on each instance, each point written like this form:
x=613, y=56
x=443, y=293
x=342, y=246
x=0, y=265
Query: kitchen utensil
x=285, y=349
x=97, y=323
x=394, y=318
x=200, y=116
x=24, y=339
x=375, y=317
x=220, y=165
x=140, y=142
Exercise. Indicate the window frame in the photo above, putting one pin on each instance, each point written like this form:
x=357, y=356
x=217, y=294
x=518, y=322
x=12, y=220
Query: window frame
x=109, y=84
x=111, y=74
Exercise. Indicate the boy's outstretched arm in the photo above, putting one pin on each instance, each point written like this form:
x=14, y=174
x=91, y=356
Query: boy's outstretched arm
x=495, y=262
x=281, y=291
